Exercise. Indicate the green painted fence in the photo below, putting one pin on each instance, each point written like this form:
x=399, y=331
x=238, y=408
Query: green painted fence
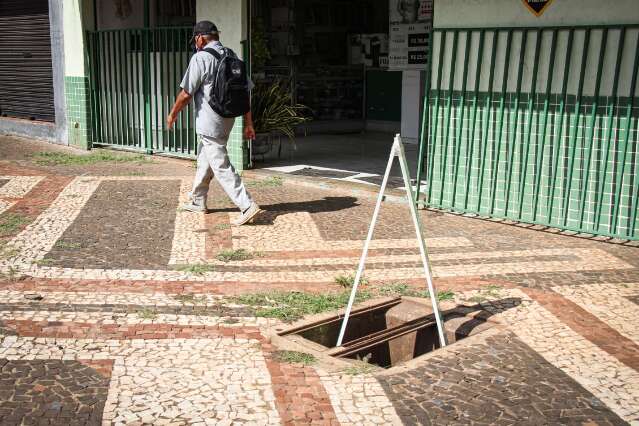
x=135, y=76
x=538, y=125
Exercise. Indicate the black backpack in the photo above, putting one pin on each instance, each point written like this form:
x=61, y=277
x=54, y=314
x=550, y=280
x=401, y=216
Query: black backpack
x=230, y=94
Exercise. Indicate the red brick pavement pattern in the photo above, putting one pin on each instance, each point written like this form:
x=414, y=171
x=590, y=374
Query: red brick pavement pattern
x=223, y=289
x=300, y=397
x=8, y=169
x=227, y=288
x=80, y=330
x=588, y=326
x=37, y=200
x=218, y=236
x=299, y=393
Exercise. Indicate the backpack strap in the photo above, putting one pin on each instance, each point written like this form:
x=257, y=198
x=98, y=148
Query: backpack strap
x=217, y=56
x=213, y=52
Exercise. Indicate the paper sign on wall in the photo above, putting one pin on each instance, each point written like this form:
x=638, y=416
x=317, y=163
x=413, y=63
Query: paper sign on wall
x=410, y=26
x=537, y=6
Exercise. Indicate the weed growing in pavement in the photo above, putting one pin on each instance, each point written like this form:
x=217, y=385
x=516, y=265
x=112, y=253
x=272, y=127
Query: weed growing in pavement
x=489, y=292
x=403, y=289
x=294, y=357
x=358, y=369
x=12, y=222
x=347, y=281
x=67, y=245
x=400, y=289
x=222, y=226
x=147, y=313
x=43, y=262
x=7, y=253
x=190, y=298
x=136, y=174
x=64, y=159
x=197, y=269
x=12, y=274
x=270, y=182
x=290, y=306
x=233, y=255
x=361, y=367
x=477, y=299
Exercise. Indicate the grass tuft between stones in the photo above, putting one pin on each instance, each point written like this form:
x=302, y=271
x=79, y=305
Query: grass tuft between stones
x=196, y=269
x=291, y=306
x=67, y=245
x=12, y=222
x=270, y=182
x=234, y=255
x=147, y=313
x=7, y=252
x=44, y=262
x=347, y=281
x=402, y=289
x=64, y=159
x=190, y=298
x=294, y=357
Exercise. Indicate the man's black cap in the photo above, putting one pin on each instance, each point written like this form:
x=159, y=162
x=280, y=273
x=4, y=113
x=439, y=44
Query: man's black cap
x=204, y=27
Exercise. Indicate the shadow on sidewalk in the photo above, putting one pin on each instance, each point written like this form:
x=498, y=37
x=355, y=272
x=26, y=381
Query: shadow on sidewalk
x=271, y=211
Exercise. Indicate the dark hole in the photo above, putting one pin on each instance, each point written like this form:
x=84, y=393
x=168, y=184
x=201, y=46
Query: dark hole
x=394, y=332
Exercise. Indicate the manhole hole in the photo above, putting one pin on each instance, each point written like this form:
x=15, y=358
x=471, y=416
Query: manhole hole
x=390, y=332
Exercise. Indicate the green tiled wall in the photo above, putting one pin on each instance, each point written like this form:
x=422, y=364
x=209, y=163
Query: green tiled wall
x=566, y=170
x=76, y=91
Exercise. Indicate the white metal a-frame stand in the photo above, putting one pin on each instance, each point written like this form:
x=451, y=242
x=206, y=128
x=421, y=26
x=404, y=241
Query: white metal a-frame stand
x=397, y=151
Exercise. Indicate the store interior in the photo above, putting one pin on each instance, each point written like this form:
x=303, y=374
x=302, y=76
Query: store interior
x=331, y=58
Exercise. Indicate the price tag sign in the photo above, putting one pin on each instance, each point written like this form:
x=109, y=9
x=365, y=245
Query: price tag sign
x=409, y=33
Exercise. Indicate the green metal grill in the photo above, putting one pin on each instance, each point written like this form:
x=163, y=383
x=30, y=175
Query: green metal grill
x=537, y=125
x=135, y=76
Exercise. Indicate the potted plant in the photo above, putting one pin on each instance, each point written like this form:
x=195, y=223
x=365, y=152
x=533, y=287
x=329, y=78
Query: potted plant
x=274, y=115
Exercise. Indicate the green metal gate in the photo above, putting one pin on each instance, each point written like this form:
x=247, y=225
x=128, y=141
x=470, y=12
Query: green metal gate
x=135, y=76
x=537, y=125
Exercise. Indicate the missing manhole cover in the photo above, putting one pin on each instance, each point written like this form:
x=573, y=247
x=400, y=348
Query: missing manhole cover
x=390, y=332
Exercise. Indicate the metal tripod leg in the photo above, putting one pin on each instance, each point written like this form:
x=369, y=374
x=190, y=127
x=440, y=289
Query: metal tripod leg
x=397, y=150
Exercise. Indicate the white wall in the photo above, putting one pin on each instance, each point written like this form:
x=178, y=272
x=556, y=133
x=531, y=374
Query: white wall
x=73, y=38
x=487, y=13
x=230, y=17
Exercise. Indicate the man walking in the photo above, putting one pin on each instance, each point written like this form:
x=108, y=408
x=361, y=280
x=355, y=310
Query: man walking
x=212, y=128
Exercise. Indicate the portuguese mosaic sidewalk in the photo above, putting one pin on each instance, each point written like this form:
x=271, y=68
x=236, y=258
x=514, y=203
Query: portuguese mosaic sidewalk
x=117, y=307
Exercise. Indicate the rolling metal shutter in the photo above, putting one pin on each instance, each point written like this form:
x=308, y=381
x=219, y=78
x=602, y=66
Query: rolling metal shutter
x=26, y=80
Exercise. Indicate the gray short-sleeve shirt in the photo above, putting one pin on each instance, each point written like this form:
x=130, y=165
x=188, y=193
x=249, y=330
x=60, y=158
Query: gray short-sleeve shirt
x=198, y=82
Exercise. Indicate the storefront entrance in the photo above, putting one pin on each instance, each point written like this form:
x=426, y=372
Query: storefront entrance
x=332, y=58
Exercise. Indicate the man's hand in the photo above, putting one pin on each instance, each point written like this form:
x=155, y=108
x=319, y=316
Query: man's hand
x=170, y=120
x=181, y=102
x=249, y=132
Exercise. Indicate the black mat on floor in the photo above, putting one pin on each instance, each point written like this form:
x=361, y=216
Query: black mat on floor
x=309, y=171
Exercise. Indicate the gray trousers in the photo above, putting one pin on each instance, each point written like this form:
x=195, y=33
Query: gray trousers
x=213, y=160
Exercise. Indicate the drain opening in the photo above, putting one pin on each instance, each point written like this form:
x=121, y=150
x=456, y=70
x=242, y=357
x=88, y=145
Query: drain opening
x=394, y=331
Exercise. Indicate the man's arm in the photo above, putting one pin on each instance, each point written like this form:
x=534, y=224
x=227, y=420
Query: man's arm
x=183, y=99
x=249, y=131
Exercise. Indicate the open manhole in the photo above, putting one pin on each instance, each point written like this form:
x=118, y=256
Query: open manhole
x=390, y=332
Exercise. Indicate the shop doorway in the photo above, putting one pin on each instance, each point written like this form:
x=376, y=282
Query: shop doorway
x=331, y=57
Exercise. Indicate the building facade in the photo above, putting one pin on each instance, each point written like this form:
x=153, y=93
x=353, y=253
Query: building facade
x=530, y=106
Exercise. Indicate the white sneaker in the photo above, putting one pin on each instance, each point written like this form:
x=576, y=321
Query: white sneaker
x=247, y=215
x=192, y=207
